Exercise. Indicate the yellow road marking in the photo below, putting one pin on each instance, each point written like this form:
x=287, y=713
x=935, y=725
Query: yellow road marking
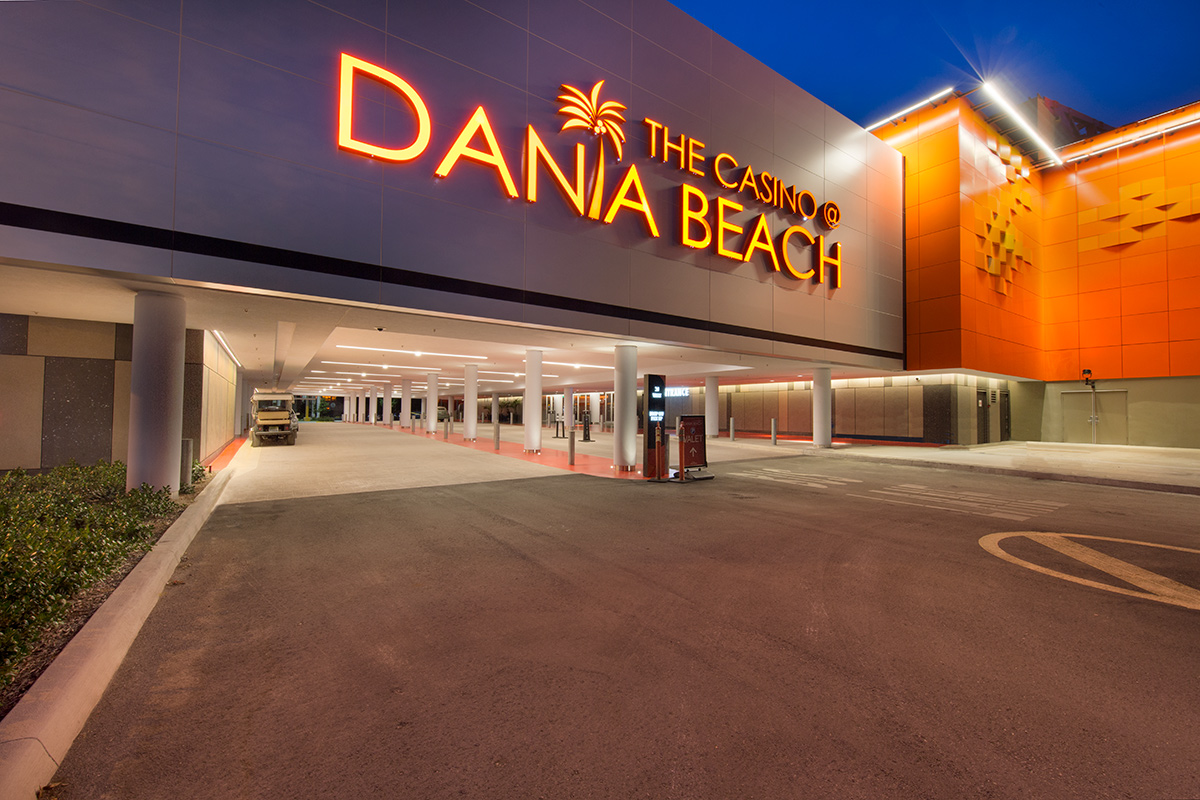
x=1157, y=587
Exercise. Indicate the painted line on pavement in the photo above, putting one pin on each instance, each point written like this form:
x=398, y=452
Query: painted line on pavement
x=1157, y=587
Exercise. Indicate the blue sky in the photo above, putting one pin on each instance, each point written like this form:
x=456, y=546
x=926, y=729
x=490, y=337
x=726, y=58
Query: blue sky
x=1116, y=60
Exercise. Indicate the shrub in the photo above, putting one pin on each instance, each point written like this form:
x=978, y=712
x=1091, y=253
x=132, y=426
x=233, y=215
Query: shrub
x=60, y=533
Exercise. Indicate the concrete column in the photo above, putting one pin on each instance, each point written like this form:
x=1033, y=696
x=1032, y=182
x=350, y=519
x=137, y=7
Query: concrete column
x=569, y=410
x=531, y=408
x=156, y=391
x=431, y=390
x=712, y=411
x=387, y=405
x=822, y=404
x=406, y=403
x=471, y=402
x=625, y=408
x=372, y=410
x=496, y=409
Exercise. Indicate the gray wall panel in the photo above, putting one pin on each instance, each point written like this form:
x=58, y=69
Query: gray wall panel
x=77, y=412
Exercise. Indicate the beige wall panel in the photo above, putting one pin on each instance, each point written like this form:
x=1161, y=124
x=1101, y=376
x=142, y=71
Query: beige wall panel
x=72, y=338
x=800, y=411
x=869, y=411
x=843, y=411
x=895, y=408
x=22, y=379
x=916, y=411
x=964, y=397
x=121, y=384
x=1161, y=412
x=753, y=415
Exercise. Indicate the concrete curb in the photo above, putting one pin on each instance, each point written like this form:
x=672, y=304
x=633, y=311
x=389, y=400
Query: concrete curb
x=36, y=734
x=1065, y=477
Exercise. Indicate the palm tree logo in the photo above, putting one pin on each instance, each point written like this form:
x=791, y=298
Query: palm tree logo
x=603, y=120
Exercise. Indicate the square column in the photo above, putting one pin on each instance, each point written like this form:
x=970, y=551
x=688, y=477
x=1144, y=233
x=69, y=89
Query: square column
x=821, y=406
x=156, y=391
x=405, y=403
x=431, y=392
x=531, y=408
x=471, y=402
x=625, y=408
x=712, y=418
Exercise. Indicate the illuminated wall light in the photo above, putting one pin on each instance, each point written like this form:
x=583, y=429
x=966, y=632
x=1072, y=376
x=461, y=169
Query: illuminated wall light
x=1025, y=126
x=1163, y=131
x=413, y=352
x=227, y=348
x=912, y=108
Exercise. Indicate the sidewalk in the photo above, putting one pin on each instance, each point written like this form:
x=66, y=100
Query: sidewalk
x=1164, y=469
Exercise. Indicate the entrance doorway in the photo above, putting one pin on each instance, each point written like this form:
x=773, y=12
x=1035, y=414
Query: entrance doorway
x=1096, y=417
x=1005, y=417
x=982, y=422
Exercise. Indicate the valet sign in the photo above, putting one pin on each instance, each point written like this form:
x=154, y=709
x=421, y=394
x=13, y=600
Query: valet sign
x=704, y=222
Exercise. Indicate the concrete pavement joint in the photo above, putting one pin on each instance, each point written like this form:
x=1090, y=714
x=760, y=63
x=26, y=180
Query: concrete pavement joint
x=36, y=735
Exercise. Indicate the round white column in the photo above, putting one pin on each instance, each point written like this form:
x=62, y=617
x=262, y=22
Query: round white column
x=387, y=405
x=372, y=414
x=821, y=406
x=471, y=402
x=406, y=403
x=156, y=391
x=569, y=410
x=531, y=408
x=712, y=396
x=625, y=408
x=431, y=391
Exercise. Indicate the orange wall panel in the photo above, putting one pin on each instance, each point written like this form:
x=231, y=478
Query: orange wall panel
x=1144, y=328
x=1185, y=357
x=1145, y=360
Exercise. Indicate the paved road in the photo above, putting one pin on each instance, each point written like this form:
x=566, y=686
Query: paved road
x=798, y=627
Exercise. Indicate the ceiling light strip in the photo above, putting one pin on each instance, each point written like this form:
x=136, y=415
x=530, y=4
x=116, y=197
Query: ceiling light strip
x=227, y=348
x=912, y=108
x=1025, y=126
x=417, y=353
x=1161, y=131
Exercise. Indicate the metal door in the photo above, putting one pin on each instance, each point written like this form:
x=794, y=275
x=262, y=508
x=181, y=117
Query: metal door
x=982, y=428
x=1005, y=418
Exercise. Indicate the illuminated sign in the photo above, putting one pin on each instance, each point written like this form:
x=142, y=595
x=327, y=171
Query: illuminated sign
x=704, y=223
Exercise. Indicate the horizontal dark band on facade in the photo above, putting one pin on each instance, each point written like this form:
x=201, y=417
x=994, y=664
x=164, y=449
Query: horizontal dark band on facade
x=49, y=221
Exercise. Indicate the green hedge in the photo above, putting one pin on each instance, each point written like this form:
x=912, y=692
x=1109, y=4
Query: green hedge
x=60, y=533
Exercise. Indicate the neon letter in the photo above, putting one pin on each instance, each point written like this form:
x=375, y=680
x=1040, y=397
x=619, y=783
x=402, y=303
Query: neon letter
x=688, y=217
x=760, y=239
x=795, y=230
x=834, y=260
x=491, y=157
x=535, y=150
x=641, y=205
x=717, y=169
x=722, y=226
x=346, y=139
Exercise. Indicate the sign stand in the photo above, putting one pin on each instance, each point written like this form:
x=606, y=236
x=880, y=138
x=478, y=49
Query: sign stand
x=693, y=455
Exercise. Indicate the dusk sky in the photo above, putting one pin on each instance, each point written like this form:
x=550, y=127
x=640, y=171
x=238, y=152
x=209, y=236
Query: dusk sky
x=1114, y=60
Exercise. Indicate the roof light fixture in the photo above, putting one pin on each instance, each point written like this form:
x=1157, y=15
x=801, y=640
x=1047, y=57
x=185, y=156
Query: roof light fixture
x=912, y=108
x=1008, y=108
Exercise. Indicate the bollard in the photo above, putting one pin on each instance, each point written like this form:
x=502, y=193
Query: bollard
x=446, y=430
x=773, y=431
x=731, y=436
x=496, y=435
x=571, y=450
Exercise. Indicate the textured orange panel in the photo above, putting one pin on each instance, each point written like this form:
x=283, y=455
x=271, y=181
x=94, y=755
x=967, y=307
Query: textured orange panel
x=941, y=350
x=1145, y=360
x=1144, y=328
x=1183, y=233
x=1061, y=282
x=1102, y=332
x=1184, y=324
x=1185, y=357
x=1061, y=309
x=1147, y=268
x=1098, y=305
x=940, y=314
x=1062, y=365
x=1183, y=293
x=938, y=181
x=938, y=148
x=940, y=280
x=1104, y=362
x=1144, y=298
x=1182, y=168
x=1062, y=336
x=1100, y=276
